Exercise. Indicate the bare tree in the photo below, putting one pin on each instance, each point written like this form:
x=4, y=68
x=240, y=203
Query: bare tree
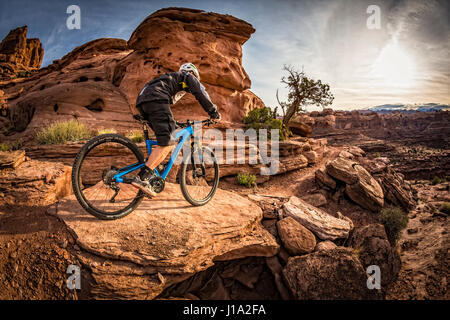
x=302, y=91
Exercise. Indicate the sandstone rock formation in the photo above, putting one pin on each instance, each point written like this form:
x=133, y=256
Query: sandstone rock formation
x=35, y=183
x=361, y=187
x=213, y=42
x=97, y=82
x=325, y=245
x=296, y=238
x=164, y=241
x=373, y=248
x=17, y=53
x=324, y=179
x=11, y=159
x=328, y=274
x=322, y=224
x=301, y=125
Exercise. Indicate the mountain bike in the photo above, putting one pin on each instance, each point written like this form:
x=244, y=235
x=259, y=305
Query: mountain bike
x=106, y=165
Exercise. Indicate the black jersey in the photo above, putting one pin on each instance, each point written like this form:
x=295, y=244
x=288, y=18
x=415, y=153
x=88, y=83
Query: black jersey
x=171, y=86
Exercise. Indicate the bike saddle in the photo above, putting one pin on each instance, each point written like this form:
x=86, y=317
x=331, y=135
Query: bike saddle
x=138, y=117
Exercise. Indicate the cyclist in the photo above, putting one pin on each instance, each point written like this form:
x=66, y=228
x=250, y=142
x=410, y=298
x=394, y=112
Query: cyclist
x=153, y=103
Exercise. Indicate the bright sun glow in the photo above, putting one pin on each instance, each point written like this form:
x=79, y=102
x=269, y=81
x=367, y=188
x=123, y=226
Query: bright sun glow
x=394, y=66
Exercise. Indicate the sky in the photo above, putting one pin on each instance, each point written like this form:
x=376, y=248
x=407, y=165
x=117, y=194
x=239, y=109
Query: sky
x=404, y=59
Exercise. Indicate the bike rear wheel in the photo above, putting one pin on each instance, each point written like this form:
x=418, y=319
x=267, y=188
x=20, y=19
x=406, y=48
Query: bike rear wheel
x=95, y=165
x=199, y=176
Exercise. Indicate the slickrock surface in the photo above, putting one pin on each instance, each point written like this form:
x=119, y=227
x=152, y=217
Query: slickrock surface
x=164, y=241
x=35, y=182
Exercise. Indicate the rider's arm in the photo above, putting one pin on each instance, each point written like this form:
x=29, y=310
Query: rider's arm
x=199, y=92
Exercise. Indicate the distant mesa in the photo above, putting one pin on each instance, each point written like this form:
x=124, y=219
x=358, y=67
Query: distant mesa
x=426, y=107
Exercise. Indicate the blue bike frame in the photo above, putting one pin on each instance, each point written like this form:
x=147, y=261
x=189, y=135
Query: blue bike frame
x=181, y=135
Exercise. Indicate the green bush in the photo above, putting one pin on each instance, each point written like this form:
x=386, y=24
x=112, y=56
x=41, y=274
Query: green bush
x=136, y=136
x=264, y=118
x=445, y=208
x=436, y=180
x=394, y=221
x=377, y=155
x=245, y=179
x=62, y=132
x=4, y=147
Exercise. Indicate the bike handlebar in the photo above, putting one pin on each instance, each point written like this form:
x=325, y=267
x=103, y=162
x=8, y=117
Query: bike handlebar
x=188, y=122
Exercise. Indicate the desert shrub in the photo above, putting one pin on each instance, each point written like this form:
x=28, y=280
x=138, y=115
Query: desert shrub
x=445, y=208
x=136, y=136
x=23, y=74
x=377, y=155
x=394, y=221
x=264, y=118
x=436, y=180
x=106, y=130
x=245, y=179
x=11, y=146
x=61, y=132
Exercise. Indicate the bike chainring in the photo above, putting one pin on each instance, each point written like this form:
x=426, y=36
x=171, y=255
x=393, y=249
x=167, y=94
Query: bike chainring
x=157, y=183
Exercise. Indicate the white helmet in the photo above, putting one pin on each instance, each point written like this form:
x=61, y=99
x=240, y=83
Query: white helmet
x=189, y=67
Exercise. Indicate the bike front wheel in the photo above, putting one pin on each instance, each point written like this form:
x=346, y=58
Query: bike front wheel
x=199, y=176
x=92, y=176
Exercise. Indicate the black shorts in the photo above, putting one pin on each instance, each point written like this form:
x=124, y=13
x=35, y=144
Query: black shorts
x=160, y=119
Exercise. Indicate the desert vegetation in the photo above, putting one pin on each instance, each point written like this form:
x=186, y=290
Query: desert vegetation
x=106, y=131
x=62, y=132
x=394, y=221
x=246, y=179
x=303, y=91
x=136, y=136
x=265, y=118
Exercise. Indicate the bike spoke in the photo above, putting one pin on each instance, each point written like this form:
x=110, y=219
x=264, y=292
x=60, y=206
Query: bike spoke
x=199, y=176
x=97, y=167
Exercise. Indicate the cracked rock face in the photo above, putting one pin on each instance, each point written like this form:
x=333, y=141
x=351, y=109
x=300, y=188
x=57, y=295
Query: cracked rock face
x=322, y=224
x=361, y=187
x=33, y=182
x=374, y=248
x=328, y=275
x=164, y=241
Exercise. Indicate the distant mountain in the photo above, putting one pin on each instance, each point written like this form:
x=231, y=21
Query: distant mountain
x=426, y=107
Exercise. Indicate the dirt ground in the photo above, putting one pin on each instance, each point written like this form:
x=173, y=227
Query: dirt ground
x=34, y=255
